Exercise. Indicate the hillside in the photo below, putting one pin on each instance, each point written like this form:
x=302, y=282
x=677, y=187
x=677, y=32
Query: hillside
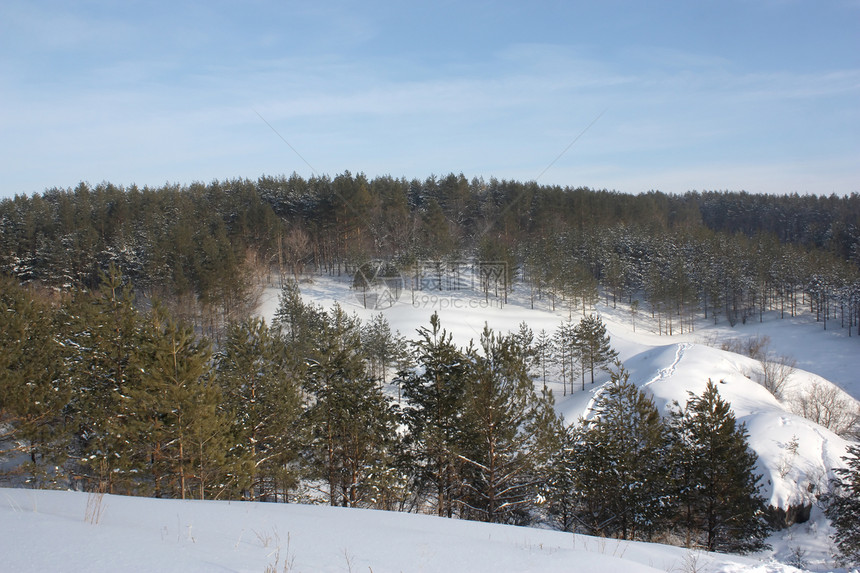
x=69, y=531
x=796, y=456
x=77, y=531
x=668, y=367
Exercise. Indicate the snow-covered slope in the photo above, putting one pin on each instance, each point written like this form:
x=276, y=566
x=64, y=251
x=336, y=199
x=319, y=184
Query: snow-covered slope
x=69, y=531
x=50, y=531
x=791, y=475
x=668, y=367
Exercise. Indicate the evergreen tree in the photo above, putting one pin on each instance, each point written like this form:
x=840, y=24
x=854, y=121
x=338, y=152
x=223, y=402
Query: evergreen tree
x=843, y=509
x=543, y=353
x=352, y=421
x=553, y=446
x=498, y=477
x=102, y=355
x=173, y=411
x=720, y=507
x=382, y=347
x=33, y=388
x=260, y=383
x=620, y=464
x=298, y=322
x=563, y=351
x=435, y=391
x=592, y=345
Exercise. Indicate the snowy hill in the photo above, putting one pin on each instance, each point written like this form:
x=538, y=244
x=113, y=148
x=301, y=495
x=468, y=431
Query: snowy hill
x=796, y=456
x=668, y=367
x=68, y=531
x=71, y=531
x=791, y=475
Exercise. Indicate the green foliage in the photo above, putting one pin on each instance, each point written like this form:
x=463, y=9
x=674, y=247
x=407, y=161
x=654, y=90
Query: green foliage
x=591, y=344
x=33, y=391
x=843, y=507
x=103, y=354
x=353, y=421
x=145, y=408
x=175, y=407
x=203, y=249
x=500, y=422
x=718, y=492
x=260, y=380
x=619, y=464
x=383, y=348
x=435, y=392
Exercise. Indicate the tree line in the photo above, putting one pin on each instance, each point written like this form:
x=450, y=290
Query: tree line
x=99, y=395
x=205, y=249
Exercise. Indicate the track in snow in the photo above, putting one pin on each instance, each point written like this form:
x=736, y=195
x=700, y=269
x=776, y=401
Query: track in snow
x=662, y=374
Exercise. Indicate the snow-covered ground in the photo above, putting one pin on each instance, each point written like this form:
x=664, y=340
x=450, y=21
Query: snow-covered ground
x=72, y=531
x=68, y=531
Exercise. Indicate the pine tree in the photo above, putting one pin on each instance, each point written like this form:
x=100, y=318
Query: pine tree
x=559, y=486
x=498, y=476
x=563, y=351
x=298, y=322
x=102, y=355
x=620, y=464
x=260, y=381
x=592, y=345
x=382, y=346
x=435, y=392
x=174, y=409
x=33, y=387
x=720, y=507
x=551, y=447
x=843, y=509
x=352, y=421
x=543, y=353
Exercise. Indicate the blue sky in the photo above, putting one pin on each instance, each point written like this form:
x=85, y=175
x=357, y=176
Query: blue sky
x=762, y=96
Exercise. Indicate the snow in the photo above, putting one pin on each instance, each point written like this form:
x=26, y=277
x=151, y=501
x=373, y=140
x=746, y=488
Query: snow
x=667, y=367
x=50, y=530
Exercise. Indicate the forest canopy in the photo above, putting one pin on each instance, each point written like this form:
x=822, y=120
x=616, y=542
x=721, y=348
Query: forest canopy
x=204, y=249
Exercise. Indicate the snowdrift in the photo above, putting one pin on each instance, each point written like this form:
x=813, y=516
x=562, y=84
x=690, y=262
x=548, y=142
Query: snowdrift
x=796, y=457
x=71, y=531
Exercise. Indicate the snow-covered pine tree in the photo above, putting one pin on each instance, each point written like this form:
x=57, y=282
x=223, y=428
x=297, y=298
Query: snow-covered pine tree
x=352, y=421
x=435, y=393
x=260, y=382
x=499, y=453
x=843, y=509
x=543, y=353
x=592, y=345
x=620, y=466
x=563, y=352
x=382, y=347
x=33, y=388
x=102, y=354
x=173, y=412
x=720, y=507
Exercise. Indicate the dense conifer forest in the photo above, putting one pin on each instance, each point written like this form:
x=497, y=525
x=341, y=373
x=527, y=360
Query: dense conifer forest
x=132, y=362
x=204, y=249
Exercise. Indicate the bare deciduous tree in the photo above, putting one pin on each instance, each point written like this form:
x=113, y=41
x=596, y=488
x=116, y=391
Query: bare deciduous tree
x=827, y=406
x=297, y=247
x=775, y=372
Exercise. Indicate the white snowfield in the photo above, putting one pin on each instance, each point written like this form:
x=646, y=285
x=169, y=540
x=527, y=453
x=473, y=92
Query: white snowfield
x=68, y=531
x=49, y=531
x=788, y=477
